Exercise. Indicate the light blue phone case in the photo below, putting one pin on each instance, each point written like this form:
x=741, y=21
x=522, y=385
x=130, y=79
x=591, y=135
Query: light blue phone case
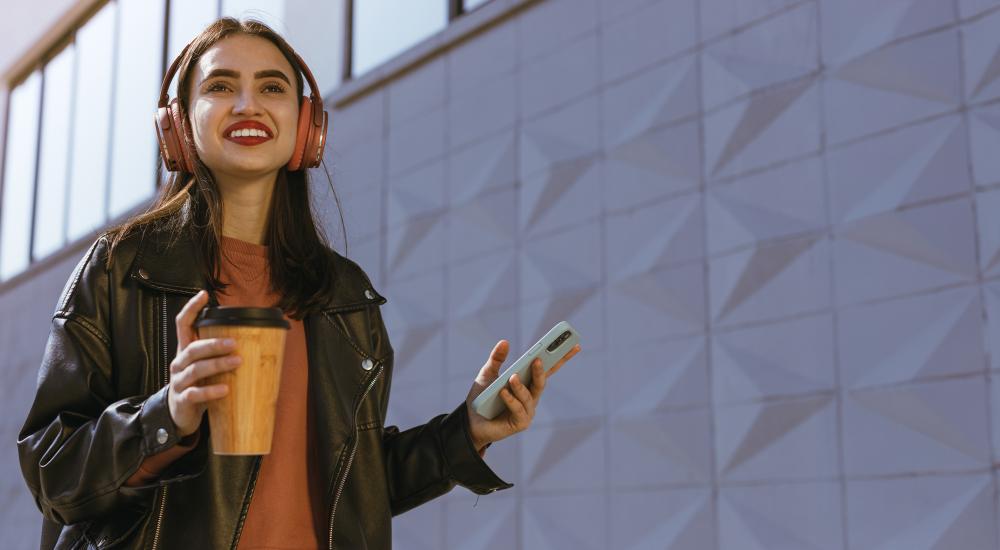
x=551, y=348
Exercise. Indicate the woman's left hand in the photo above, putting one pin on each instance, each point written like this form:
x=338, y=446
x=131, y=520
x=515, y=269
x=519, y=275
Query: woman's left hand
x=521, y=402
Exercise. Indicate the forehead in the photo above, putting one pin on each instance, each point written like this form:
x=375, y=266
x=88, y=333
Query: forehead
x=242, y=53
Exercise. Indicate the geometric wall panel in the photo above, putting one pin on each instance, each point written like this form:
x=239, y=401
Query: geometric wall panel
x=560, y=195
x=774, y=125
x=416, y=193
x=649, y=100
x=922, y=513
x=982, y=59
x=724, y=16
x=984, y=132
x=922, y=427
x=658, y=376
x=991, y=294
x=559, y=263
x=481, y=167
x=484, y=523
x=872, y=91
x=782, y=48
x=674, y=519
x=415, y=246
x=662, y=234
x=918, y=163
x=554, y=522
x=770, y=281
x=655, y=31
x=663, y=302
x=481, y=225
x=779, y=359
x=801, y=515
x=932, y=335
x=567, y=134
x=772, y=440
x=483, y=283
x=968, y=8
x=657, y=449
x=776, y=203
x=906, y=251
x=419, y=528
x=852, y=28
x=567, y=456
x=650, y=165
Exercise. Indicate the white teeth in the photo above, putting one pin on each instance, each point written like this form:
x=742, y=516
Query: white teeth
x=247, y=132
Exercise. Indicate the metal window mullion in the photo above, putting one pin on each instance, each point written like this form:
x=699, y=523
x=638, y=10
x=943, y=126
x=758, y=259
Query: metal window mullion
x=3, y=157
x=455, y=9
x=109, y=156
x=347, y=72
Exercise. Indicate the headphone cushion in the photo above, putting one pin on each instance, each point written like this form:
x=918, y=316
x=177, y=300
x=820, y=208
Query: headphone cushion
x=302, y=132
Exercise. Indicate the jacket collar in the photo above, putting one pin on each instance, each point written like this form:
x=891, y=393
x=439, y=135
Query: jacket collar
x=171, y=266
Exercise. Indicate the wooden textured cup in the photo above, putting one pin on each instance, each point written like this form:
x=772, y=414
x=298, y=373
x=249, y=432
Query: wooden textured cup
x=242, y=422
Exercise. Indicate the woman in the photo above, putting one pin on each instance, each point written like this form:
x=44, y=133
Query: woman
x=115, y=448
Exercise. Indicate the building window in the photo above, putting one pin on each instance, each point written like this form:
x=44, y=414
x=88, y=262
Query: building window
x=135, y=153
x=384, y=28
x=85, y=118
x=19, y=175
x=91, y=123
x=50, y=201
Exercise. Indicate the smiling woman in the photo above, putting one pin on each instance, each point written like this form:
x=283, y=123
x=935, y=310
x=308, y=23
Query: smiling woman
x=116, y=446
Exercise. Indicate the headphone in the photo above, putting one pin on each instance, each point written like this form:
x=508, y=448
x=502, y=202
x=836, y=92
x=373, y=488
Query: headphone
x=177, y=144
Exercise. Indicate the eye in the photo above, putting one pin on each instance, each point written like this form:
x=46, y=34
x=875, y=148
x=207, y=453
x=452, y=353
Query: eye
x=279, y=87
x=214, y=85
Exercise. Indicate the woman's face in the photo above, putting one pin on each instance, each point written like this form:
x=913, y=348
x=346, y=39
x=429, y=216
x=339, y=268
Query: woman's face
x=243, y=79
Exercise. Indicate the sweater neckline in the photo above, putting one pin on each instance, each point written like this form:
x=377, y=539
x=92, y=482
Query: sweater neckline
x=232, y=244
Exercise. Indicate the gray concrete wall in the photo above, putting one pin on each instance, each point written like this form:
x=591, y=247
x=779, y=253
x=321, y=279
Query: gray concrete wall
x=774, y=224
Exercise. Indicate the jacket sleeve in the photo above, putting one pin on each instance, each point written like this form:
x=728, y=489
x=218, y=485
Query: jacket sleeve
x=81, y=441
x=427, y=461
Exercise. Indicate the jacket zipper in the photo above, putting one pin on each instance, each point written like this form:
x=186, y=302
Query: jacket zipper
x=166, y=380
x=246, y=502
x=350, y=458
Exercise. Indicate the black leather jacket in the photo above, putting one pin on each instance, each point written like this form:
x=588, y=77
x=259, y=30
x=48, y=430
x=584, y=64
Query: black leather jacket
x=101, y=408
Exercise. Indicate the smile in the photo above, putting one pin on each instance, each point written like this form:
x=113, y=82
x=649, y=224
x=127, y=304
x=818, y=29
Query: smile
x=248, y=137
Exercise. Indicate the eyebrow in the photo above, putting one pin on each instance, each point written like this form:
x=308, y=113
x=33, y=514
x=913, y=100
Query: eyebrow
x=257, y=75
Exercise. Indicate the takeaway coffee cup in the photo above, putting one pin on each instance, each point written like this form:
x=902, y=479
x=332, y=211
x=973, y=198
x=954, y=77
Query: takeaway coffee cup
x=242, y=422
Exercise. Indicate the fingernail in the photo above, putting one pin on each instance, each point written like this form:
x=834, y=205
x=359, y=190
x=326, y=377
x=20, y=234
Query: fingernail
x=234, y=360
x=229, y=342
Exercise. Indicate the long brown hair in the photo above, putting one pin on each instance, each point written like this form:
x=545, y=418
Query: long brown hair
x=299, y=255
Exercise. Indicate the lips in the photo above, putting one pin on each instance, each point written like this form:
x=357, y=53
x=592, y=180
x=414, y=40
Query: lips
x=248, y=140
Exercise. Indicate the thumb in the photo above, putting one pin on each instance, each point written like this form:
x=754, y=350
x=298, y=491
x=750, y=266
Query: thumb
x=491, y=370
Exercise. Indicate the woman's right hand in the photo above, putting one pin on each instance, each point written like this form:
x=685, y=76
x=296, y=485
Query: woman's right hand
x=195, y=360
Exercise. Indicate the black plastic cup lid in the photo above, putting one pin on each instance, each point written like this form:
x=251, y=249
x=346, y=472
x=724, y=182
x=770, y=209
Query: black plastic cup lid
x=242, y=316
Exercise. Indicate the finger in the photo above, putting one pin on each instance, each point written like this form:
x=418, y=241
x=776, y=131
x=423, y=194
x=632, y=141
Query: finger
x=491, y=370
x=522, y=393
x=201, y=394
x=202, y=349
x=518, y=416
x=573, y=351
x=538, y=377
x=185, y=319
x=199, y=370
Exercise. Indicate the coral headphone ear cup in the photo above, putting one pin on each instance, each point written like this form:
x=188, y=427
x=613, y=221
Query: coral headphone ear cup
x=309, y=139
x=182, y=137
x=171, y=129
x=301, y=134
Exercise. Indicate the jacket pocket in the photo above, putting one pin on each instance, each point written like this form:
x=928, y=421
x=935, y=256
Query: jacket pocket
x=117, y=531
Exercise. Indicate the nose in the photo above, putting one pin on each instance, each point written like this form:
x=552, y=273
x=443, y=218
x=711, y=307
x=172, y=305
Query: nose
x=246, y=102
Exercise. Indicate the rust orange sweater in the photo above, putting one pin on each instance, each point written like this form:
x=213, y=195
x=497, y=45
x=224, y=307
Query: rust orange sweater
x=281, y=514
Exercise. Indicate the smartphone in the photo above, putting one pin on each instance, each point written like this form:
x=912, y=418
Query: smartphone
x=551, y=348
